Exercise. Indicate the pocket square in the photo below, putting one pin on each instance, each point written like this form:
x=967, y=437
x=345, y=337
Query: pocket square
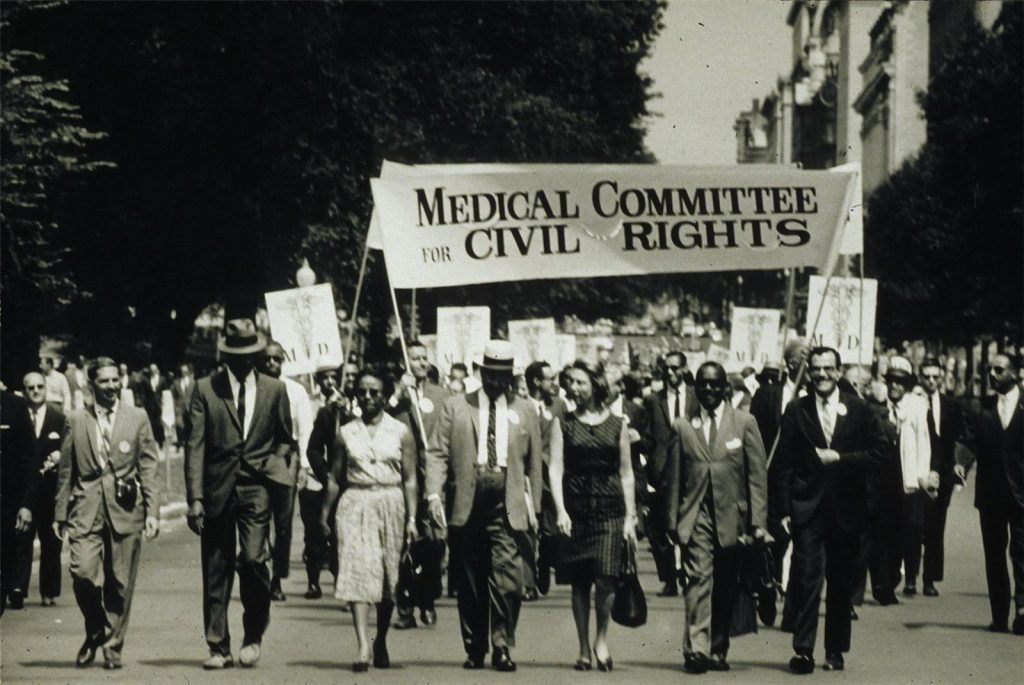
x=53, y=435
x=733, y=444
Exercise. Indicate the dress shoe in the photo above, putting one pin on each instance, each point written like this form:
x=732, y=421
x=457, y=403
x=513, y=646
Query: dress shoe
x=428, y=617
x=276, y=594
x=834, y=662
x=718, y=663
x=695, y=664
x=49, y=601
x=217, y=662
x=381, y=658
x=1018, y=624
x=543, y=580
x=669, y=590
x=998, y=627
x=910, y=590
x=802, y=664
x=473, y=662
x=501, y=660
x=767, y=610
x=360, y=666
x=582, y=665
x=313, y=592
x=930, y=590
x=531, y=595
x=404, y=622
x=17, y=600
x=249, y=655
x=111, y=660
x=86, y=653
x=887, y=600
x=853, y=614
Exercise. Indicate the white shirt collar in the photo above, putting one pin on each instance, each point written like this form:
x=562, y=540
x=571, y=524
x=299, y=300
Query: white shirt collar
x=832, y=401
x=719, y=411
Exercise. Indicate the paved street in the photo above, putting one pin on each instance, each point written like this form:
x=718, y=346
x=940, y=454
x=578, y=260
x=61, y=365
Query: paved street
x=923, y=640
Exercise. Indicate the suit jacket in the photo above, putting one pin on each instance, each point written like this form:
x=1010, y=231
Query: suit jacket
x=19, y=475
x=49, y=440
x=546, y=418
x=803, y=485
x=735, y=459
x=658, y=431
x=182, y=399
x=951, y=428
x=216, y=451
x=151, y=400
x=85, y=487
x=999, y=454
x=453, y=446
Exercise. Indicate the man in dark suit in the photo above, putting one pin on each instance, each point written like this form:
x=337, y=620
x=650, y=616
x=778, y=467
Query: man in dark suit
x=945, y=425
x=489, y=441
x=181, y=394
x=994, y=438
x=107, y=490
x=675, y=400
x=19, y=478
x=49, y=427
x=149, y=391
x=717, y=487
x=240, y=439
x=767, y=406
x=417, y=392
x=828, y=440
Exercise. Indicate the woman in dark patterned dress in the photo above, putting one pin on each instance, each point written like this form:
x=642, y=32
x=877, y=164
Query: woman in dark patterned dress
x=592, y=485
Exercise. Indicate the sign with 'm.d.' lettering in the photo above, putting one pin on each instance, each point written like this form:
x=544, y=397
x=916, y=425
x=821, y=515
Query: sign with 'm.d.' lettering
x=462, y=332
x=579, y=221
x=534, y=340
x=847, y=320
x=753, y=337
x=305, y=323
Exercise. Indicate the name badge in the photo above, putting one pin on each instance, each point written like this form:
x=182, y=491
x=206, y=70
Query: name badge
x=695, y=422
x=733, y=444
x=841, y=409
x=513, y=418
x=124, y=447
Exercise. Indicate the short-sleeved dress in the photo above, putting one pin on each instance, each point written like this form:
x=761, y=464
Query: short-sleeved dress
x=371, y=512
x=592, y=491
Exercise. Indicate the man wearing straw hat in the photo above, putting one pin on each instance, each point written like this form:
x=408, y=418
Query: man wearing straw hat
x=489, y=440
x=240, y=440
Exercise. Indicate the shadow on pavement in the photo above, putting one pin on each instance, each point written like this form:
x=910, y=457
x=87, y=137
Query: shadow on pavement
x=65, y=664
x=948, y=626
x=196, y=663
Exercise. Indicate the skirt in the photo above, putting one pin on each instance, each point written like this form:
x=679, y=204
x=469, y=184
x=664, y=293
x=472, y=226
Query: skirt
x=371, y=531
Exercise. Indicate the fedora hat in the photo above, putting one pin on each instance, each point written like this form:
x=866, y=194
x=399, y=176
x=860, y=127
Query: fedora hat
x=498, y=356
x=241, y=337
x=901, y=371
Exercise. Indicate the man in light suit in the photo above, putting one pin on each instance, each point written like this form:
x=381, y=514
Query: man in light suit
x=50, y=426
x=717, y=488
x=828, y=441
x=675, y=400
x=106, y=497
x=490, y=441
x=995, y=442
x=240, y=440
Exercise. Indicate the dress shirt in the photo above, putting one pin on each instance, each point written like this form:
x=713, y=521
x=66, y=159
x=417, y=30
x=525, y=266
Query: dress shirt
x=705, y=420
x=501, y=414
x=105, y=420
x=827, y=413
x=250, y=397
x=302, y=416
x=1006, y=405
x=38, y=417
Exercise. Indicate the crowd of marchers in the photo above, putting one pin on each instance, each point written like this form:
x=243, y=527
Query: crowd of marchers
x=493, y=485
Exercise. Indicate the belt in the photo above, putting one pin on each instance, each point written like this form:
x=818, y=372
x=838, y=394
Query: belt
x=484, y=468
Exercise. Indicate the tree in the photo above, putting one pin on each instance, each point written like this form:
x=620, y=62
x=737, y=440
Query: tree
x=945, y=231
x=245, y=133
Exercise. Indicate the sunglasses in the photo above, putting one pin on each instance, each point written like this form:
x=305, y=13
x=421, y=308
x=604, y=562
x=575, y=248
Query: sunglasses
x=34, y=387
x=275, y=357
x=997, y=369
x=368, y=392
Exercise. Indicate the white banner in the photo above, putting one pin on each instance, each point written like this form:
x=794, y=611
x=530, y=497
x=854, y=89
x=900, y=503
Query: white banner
x=442, y=227
x=754, y=338
x=461, y=333
x=842, y=315
x=305, y=323
x=533, y=340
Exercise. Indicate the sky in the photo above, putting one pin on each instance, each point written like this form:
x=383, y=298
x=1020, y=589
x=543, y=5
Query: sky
x=710, y=60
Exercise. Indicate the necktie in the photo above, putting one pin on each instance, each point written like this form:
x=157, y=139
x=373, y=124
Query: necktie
x=676, y=405
x=35, y=420
x=492, y=442
x=104, y=421
x=241, y=406
x=931, y=413
x=827, y=423
x=712, y=432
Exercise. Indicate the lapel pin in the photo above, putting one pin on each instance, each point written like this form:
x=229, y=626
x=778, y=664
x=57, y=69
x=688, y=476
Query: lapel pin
x=426, y=406
x=841, y=409
x=513, y=418
x=695, y=422
x=124, y=446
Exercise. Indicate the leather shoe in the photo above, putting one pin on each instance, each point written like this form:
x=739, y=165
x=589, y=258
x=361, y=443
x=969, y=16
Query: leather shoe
x=404, y=622
x=717, y=662
x=501, y=660
x=249, y=655
x=696, y=664
x=16, y=600
x=801, y=664
x=998, y=628
x=313, y=592
x=887, y=600
x=767, y=610
x=543, y=580
x=360, y=666
x=669, y=590
x=276, y=594
x=853, y=614
x=1018, y=624
x=49, y=601
x=428, y=617
x=834, y=662
x=930, y=590
x=910, y=590
x=473, y=662
x=86, y=653
x=217, y=662
x=111, y=660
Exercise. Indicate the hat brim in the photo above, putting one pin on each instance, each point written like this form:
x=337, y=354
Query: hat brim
x=499, y=368
x=257, y=346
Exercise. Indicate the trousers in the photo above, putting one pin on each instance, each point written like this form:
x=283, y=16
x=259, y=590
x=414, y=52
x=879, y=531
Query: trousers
x=282, y=507
x=318, y=549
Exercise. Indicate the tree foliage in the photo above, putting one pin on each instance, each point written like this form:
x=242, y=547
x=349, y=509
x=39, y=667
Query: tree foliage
x=945, y=231
x=245, y=134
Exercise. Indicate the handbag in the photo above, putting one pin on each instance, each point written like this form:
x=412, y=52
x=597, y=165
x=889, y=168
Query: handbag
x=126, y=492
x=756, y=562
x=629, y=608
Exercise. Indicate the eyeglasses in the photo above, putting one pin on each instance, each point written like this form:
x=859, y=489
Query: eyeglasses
x=997, y=369
x=368, y=392
x=931, y=376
